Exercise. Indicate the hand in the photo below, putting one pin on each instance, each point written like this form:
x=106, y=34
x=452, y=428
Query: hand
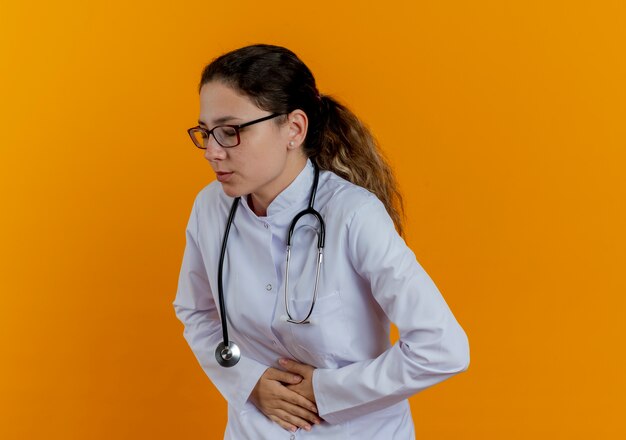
x=305, y=386
x=282, y=405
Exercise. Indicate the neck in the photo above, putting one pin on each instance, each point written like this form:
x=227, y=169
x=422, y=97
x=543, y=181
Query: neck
x=260, y=201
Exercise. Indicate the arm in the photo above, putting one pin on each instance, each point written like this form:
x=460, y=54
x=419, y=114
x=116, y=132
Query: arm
x=248, y=379
x=432, y=345
x=196, y=309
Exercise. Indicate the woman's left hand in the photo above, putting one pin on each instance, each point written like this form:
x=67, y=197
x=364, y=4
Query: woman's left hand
x=305, y=387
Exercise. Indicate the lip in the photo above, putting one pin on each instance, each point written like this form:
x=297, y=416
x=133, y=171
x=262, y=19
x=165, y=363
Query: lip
x=223, y=177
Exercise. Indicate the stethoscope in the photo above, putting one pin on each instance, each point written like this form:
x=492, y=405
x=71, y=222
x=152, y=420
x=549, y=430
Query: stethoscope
x=227, y=352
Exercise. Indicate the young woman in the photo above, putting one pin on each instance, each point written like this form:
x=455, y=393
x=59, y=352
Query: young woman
x=300, y=313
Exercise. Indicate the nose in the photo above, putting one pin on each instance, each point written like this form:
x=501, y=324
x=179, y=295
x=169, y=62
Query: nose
x=214, y=151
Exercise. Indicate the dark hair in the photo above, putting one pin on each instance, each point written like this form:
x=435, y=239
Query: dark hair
x=276, y=80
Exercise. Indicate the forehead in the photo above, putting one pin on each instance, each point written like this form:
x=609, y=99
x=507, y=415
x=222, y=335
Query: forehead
x=218, y=100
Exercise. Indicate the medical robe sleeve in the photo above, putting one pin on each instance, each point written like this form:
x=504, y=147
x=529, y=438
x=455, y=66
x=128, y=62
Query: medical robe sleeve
x=195, y=308
x=432, y=345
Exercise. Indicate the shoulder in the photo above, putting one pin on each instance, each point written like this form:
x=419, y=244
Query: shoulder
x=211, y=201
x=344, y=198
x=209, y=194
x=361, y=224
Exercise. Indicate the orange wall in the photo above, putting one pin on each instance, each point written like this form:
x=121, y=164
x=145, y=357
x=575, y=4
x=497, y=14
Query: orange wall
x=505, y=122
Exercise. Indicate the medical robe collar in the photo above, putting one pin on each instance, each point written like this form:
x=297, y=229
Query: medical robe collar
x=291, y=198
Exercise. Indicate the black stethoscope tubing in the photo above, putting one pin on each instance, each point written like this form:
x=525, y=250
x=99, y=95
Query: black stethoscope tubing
x=227, y=352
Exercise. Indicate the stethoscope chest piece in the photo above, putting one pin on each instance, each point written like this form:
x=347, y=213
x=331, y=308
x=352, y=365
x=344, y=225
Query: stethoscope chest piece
x=227, y=356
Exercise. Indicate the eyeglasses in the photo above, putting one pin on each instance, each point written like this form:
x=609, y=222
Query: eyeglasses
x=225, y=135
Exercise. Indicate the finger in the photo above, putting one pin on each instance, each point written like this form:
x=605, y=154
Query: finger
x=283, y=424
x=303, y=413
x=283, y=376
x=294, y=367
x=293, y=419
x=297, y=399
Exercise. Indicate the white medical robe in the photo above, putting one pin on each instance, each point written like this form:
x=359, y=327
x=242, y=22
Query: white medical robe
x=369, y=277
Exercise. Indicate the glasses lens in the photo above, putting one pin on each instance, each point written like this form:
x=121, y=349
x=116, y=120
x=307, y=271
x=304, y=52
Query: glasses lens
x=226, y=136
x=198, y=138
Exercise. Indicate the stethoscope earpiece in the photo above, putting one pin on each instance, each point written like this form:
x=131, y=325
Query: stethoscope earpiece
x=227, y=356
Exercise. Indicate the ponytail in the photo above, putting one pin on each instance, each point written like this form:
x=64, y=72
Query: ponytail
x=344, y=145
x=276, y=80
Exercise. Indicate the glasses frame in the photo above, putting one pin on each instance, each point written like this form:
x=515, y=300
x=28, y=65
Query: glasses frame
x=207, y=133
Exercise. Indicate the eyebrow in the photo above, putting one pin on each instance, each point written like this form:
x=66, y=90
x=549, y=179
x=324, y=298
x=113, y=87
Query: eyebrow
x=219, y=120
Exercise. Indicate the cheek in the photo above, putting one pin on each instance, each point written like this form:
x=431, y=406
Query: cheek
x=262, y=158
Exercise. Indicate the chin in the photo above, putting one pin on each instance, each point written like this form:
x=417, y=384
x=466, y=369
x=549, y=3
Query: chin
x=232, y=191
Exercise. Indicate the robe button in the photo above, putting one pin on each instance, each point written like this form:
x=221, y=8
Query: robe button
x=268, y=287
x=266, y=226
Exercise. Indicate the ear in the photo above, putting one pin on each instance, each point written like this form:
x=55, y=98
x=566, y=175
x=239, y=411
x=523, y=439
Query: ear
x=298, y=124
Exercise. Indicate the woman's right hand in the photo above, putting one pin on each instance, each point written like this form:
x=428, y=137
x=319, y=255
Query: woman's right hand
x=281, y=405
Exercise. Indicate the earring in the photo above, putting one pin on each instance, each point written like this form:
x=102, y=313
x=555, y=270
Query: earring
x=291, y=143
